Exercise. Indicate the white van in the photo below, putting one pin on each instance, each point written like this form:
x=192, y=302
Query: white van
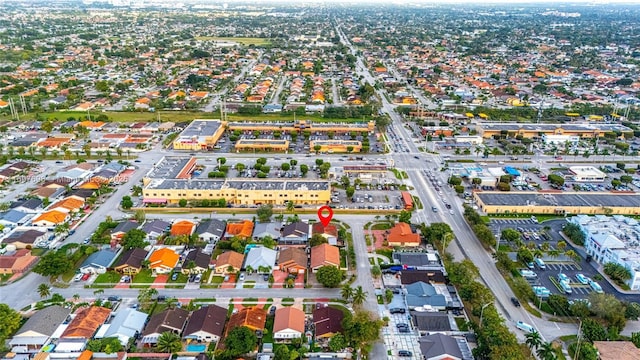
x=525, y=327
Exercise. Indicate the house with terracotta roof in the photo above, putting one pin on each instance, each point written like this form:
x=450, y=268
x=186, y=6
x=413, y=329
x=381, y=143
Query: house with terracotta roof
x=401, y=235
x=170, y=320
x=228, y=260
x=86, y=322
x=17, y=262
x=252, y=317
x=67, y=205
x=183, y=227
x=163, y=261
x=242, y=229
x=50, y=218
x=324, y=255
x=292, y=260
x=327, y=321
x=616, y=350
x=288, y=324
x=329, y=232
x=206, y=324
x=142, y=104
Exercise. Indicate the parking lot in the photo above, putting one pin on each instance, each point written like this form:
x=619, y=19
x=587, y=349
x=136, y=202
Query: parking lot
x=534, y=232
x=394, y=335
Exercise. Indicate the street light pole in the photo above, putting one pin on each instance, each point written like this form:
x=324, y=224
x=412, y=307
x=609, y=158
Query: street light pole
x=482, y=311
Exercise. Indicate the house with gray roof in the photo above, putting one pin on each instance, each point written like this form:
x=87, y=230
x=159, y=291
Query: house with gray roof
x=38, y=329
x=122, y=228
x=260, y=258
x=99, y=261
x=431, y=321
x=155, y=228
x=14, y=218
x=296, y=233
x=440, y=346
x=196, y=262
x=262, y=230
x=27, y=205
x=211, y=230
x=421, y=294
x=125, y=325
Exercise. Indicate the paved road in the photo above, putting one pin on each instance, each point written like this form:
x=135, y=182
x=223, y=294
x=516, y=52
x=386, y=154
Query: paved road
x=275, y=98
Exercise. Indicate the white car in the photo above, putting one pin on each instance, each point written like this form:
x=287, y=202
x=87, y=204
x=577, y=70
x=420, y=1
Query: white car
x=77, y=277
x=241, y=278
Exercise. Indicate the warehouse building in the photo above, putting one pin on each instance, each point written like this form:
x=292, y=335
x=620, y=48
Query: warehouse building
x=530, y=202
x=200, y=135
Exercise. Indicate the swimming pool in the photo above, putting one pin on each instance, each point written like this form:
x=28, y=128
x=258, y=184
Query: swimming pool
x=196, y=348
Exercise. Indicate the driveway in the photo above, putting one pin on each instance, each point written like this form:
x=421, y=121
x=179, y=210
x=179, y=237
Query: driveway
x=160, y=282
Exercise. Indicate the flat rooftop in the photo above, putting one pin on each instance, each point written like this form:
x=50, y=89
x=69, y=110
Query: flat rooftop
x=588, y=127
x=168, y=167
x=559, y=199
x=336, y=142
x=238, y=184
x=364, y=168
x=262, y=142
x=587, y=171
x=177, y=184
x=200, y=128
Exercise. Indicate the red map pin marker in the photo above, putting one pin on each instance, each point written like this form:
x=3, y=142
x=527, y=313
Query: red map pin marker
x=325, y=219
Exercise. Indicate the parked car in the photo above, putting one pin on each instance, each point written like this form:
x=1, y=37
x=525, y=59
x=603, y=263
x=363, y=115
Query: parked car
x=515, y=302
x=114, y=298
x=241, y=278
x=397, y=310
x=174, y=276
x=405, y=353
x=582, y=279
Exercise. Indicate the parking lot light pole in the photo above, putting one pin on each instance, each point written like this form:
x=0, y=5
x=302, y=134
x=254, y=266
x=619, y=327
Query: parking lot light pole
x=482, y=311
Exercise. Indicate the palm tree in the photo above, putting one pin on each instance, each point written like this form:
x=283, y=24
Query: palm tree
x=55, y=153
x=346, y=292
x=43, y=151
x=290, y=206
x=359, y=296
x=533, y=340
x=44, y=290
x=76, y=297
x=98, y=292
x=553, y=253
x=546, y=351
x=169, y=342
x=572, y=254
x=249, y=269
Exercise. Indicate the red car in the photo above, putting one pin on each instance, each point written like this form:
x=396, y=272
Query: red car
x=85, y=276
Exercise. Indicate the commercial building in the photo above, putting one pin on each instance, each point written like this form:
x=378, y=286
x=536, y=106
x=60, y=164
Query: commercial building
x=303, y=125
x=170, y=180
x=587, y=174
x=552, y=202
x=239, y=192
x=614, y=239
x=552, y=139
x=200, y=135
x=336, y=146
x=262, y=145
x=584, y=130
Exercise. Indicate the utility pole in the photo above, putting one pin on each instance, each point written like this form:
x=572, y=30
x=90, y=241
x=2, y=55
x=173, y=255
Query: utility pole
x=24, y=105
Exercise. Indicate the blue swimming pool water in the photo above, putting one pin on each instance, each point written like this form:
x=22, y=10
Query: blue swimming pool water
x=196, y=348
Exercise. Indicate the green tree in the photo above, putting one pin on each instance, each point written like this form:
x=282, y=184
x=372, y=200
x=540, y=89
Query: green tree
x=454, y=180
x=134, y=239
x=329, y=276
x=126, y=202
x=533, y=340
x=304, y=169
x=510, y=235
x=376, y=271
x=285, y=166
x=169, y=342
x=240, y=340
x=265, y=212
x=145, y=295
x=11, y=322
x=346, y=292
x=182, y=203
x=546, y=351
x=337, y=343
x=405, y=217
x=593, y=331
x=556, y=179
x=635, y=339
x=53, y=263
x=350, y=191
x=282, y=353
x=317, y=239
x=290, y=206
x=44, y=290
x=361, y=330
x=359, y=296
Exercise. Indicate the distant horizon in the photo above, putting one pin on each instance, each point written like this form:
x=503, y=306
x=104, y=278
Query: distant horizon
x=380, y=2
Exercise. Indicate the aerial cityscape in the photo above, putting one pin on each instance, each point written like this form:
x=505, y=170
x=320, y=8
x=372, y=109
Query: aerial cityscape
x=335, y=180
